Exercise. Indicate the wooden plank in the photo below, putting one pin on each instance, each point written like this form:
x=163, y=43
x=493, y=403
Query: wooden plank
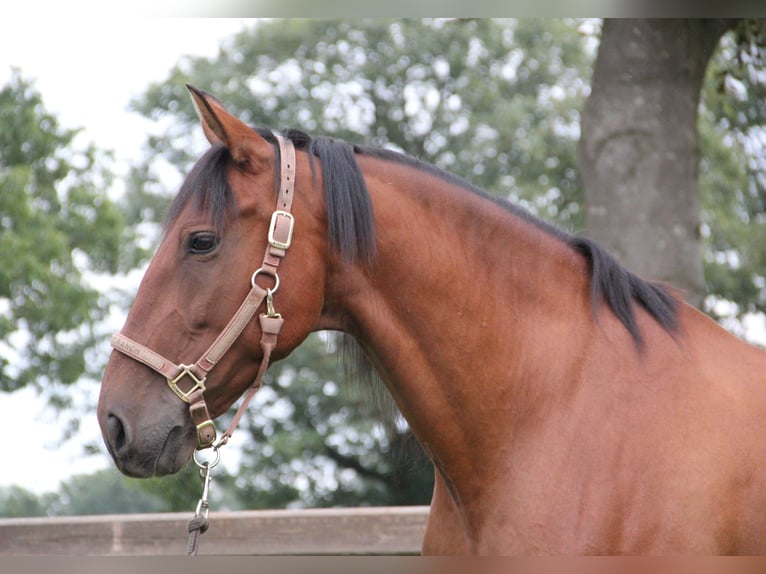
x=373, y=530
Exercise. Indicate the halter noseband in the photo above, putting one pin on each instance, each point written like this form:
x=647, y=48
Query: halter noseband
x=279, y=239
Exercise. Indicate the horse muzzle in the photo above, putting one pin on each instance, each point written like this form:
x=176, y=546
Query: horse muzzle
x=154, y=450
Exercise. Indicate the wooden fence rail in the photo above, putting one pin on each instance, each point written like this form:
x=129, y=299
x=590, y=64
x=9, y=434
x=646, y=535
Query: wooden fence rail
x=374, y=531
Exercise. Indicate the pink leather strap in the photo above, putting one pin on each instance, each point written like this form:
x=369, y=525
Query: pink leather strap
x=282, y=220
x=233, y=329
x=270, y=327
x=144, y=355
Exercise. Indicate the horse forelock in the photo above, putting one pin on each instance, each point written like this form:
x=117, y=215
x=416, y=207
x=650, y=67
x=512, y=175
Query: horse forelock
x=207, y=185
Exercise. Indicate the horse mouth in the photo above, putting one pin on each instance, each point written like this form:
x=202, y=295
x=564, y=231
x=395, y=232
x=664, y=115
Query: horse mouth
x=175, y=453
x=171, y=457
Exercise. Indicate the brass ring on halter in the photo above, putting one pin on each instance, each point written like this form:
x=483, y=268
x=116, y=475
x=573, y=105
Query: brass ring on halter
x=262, y=270
x=206, y=464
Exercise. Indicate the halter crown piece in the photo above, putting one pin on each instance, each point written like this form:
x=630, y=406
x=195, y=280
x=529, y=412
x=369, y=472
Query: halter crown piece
x=279, y=239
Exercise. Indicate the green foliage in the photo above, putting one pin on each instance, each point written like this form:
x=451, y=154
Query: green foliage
x=494, y=101
x=179, y=492
x=57, y=229
x=16, y=501
x=105, y=492
x=319, y=441
x=732, y=128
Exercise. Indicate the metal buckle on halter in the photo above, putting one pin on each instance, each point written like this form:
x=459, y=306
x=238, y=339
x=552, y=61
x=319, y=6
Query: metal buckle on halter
x=205, y=424
x=198, y=383
x=273, y=228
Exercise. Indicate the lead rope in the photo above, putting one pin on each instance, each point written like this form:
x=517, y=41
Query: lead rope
x=199, y=524
x=271, y=323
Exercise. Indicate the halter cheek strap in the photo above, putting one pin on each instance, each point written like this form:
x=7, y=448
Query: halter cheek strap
x=279, y=240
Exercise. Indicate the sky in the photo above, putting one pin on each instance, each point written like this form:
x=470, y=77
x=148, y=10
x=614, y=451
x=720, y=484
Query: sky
x=87, y=71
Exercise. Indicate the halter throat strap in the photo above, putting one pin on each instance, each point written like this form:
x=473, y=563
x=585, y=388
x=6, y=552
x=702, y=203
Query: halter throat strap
x=279, y=240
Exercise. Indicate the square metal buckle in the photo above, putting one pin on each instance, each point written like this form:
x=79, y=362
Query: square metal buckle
x=273, y=227
x=186, y=370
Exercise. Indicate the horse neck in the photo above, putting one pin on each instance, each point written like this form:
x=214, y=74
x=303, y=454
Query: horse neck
x=461, y=310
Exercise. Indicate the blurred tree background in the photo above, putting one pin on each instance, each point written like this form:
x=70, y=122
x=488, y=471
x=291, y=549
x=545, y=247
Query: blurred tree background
x=496, y=101
x=57, y=231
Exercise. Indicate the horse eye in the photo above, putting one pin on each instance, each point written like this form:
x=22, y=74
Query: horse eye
x=202, y=243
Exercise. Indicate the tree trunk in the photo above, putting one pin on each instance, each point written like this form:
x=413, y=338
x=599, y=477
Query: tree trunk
x=638, y=148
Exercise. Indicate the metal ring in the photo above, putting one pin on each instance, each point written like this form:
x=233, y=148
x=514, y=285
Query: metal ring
x=261, y=270
x=206, y=464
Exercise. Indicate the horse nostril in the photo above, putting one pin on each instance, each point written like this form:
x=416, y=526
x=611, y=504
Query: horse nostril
x=115, y=433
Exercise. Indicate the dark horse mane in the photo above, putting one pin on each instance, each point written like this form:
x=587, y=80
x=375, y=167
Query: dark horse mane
x=351, y=229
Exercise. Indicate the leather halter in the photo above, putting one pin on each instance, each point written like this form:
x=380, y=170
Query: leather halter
x=279, y=239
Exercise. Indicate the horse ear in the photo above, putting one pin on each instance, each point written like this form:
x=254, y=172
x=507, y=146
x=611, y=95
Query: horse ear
x=220, y=127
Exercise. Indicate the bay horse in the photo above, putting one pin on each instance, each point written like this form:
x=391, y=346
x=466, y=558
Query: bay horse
x=568, y=406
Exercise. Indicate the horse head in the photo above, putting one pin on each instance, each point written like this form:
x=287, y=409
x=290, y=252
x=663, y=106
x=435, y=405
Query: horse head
x=191, y=330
